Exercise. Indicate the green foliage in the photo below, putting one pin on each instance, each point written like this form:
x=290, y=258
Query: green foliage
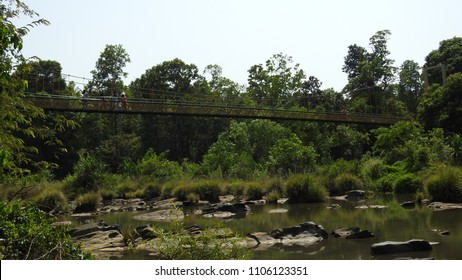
x=289, y=155
x=89, y=176
x=304, y=188
x=108, y=73
x=27, y=233
x=449, y=54
x=345, y=182
x=408, y=183
x=214, y=243
x=440, y=105
x=158, y=167
x=87, y=202
x=445, y=184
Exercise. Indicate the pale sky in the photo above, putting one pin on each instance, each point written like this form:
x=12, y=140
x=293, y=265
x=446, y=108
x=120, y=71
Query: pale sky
x=237, y=34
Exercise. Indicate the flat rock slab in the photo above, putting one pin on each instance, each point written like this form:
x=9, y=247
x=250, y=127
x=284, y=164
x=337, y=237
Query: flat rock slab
x=392, y=247
x=439, y=206
x=278, y=211
x=161, y=215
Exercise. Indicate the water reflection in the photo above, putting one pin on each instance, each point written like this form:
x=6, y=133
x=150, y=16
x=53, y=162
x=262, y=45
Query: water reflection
x=392, y=223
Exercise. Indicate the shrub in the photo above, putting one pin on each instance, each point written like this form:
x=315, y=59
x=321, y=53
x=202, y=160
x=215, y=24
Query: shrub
x=51, y=200
x=209, y=190
x=445, y=185
x=386, y=183
x=87, y=202
x=274, y=184
x=407, y=183
x=28, y=233
x=372, y=169
x=158, y=167
x=254, y=191
x=345, y=182
x=89, y=176
x=305, y=188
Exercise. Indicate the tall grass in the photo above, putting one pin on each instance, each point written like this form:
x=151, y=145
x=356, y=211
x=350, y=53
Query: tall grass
x=305, y=188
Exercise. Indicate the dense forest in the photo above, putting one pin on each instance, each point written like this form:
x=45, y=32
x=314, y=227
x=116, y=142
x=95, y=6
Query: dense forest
x=51, y=158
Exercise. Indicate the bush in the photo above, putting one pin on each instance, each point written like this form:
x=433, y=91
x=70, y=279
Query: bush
x=87, y=202
x=445, y=185
x=28, y=233
x=254, y=191
x=158, y=167
x=89, y=176
x=168, y=189
x=407, y=183
x=345, y=182
x=305, y=188
x=51, y=200
x=235, y=188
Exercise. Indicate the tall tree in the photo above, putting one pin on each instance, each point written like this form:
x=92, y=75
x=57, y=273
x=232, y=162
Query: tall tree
x=16, y=115
x=109, y=70
x=276, y=82
x=370, y=76
x=410, y=85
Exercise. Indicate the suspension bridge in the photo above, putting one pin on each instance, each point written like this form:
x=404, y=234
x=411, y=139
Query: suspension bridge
x=172, y=106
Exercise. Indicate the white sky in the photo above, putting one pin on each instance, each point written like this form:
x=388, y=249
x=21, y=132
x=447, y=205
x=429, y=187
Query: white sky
x=237, y=34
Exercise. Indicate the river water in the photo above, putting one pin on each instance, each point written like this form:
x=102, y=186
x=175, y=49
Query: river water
x=392, y=223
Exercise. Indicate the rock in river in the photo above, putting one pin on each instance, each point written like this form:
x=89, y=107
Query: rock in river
x=390, y=247
x=100, y=238
x=304, y=234
x=352, y=233
x=172, y=214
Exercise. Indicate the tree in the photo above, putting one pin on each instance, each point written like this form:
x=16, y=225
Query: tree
x=109, y=72
x=370, y=75
x=16, y=115
x=448, y=56
x=276, y=82
x=410, y=85
x=183, y=136
x=42, y=76
x=440, y=105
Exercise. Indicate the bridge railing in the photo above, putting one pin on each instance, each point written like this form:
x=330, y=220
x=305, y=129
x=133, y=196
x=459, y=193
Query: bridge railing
x=159, y=106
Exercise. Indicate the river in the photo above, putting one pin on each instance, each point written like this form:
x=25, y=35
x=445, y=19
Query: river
x=392, y=223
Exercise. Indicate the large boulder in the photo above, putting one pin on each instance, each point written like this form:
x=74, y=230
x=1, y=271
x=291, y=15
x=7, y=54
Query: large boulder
x=305, y=234
x=393, y=247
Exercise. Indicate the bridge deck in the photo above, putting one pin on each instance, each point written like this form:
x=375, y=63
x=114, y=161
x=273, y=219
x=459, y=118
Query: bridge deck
x=171, y=107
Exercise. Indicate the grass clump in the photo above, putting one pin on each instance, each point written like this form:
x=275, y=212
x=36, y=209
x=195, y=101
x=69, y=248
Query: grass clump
x=345, y=182
x=213, y=243
x=209, y=190
x=254, y=191
x=88, y=202
x=302, y=188
x=445, y=184
x=51, y=200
